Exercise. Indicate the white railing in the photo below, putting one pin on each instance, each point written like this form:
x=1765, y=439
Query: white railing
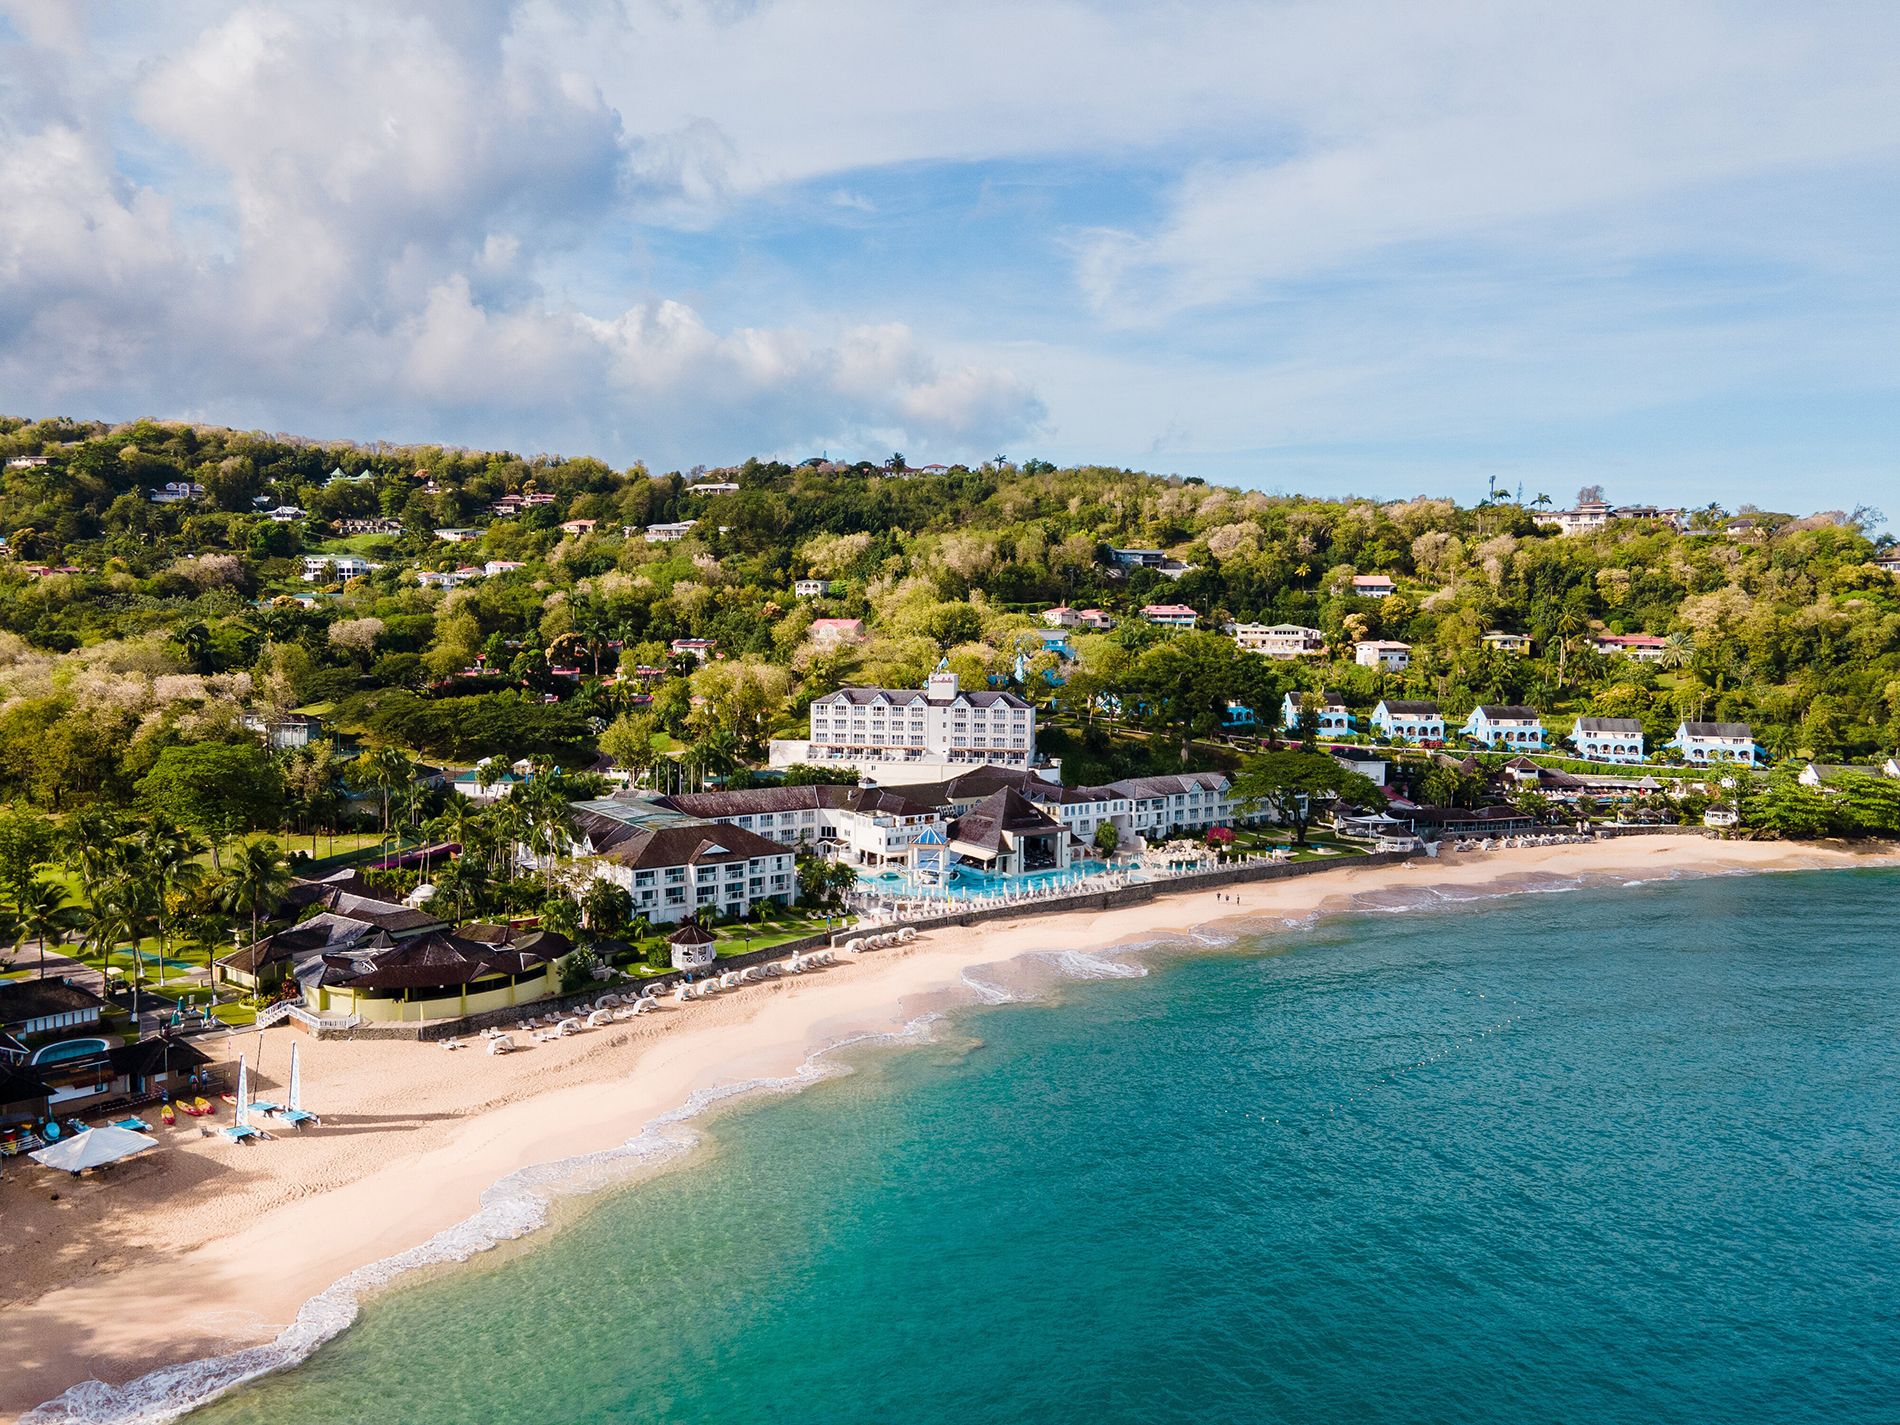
x=275, y=1013
x=318, y=1023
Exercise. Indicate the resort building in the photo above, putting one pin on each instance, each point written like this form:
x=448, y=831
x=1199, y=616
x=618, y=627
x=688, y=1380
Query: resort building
x=578, y=527
x=699, y=649
x=453, y=535
x=810, y=588
x=941, y=724
x=439, y=975
x=1506, y=725
x=1170, y=615
x=345, y=919
x=1518, y=644
x=1328, y=707
x=1177, y=803
x=1138, y=558
x=1374, y=586
x=1006, y=834
x=669, y=533
x=1280, y=640
x=713, y=487
x=71, y=1077
x=1399, y=721
x=285, y=514
x=1888, y=560
x=1643, y=647
x=1608, y=739
x=865, y=826
x=1706, y=742
x=676, y=867
x=172, y=492
x=33, y=1007
x=1392, y=656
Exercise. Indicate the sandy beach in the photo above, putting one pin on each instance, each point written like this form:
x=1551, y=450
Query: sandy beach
x=205, y=1247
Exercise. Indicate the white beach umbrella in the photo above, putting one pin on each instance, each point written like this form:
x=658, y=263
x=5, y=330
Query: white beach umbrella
x=94, y=1148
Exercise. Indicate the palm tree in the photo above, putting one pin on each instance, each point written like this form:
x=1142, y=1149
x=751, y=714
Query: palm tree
x=43, y=915
x=1678, y=651
x=386, y=768
x=256, y=881
x=170, y=855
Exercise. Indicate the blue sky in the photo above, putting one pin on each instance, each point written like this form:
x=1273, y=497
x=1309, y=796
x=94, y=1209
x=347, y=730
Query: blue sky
x=1359, y=246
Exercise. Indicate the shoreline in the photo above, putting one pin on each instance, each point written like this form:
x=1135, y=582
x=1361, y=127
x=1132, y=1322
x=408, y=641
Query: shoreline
x=242, y=1260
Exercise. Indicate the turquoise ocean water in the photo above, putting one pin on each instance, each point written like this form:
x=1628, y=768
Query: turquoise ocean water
x=1622, y=1154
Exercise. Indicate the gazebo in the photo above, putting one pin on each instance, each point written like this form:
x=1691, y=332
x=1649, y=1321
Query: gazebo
x=692, y=947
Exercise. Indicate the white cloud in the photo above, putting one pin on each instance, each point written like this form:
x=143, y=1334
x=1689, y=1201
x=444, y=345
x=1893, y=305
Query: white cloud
x=380, y=196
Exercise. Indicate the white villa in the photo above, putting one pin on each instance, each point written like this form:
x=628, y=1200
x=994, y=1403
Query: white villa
x=1401, y=721
x=942, y=724
x=1505, y=725
x=1608, y=739
x=1515, y=643
x=1334, y=715
x=669, y=533
x=1384, y=653
x=1706, y=742
x=1374, y=586
x=336, y=567
x=810, y=588
x=1170, y=615
x=1280, y=640
x=1643, y=647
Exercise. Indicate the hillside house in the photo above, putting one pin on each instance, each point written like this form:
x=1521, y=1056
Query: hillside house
x=1398, y=720
x=1507, y=726
x=1385, y=653
x=1608, y=739
x=1704, y=743
x=1328, y=706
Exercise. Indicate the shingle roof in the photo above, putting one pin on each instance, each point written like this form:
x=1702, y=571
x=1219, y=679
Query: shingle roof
x=1508, y=712
x=392, y=916
x=688, y=845
x=1717, y=729
x=439, y=961
x=1008, y=810
x=1611, y=726
x=759, y=801
x=1167, y=784
x=1401, y=708
x=21, y=1000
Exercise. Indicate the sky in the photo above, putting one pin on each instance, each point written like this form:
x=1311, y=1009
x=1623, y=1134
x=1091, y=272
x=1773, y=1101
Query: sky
x=1359, y=246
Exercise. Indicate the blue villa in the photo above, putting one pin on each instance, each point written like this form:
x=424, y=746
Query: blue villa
x=1334, y=716
x=1505, y=725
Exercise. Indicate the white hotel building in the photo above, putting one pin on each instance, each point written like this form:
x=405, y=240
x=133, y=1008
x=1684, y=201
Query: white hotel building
x=941, y=725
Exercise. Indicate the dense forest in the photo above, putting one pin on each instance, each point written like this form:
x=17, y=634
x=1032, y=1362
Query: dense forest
x=133, y=626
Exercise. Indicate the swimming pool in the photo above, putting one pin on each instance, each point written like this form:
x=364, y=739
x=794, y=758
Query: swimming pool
x=967, y=881
x=68, y=1049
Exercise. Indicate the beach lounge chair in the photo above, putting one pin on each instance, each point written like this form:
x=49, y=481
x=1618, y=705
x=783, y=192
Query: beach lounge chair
x=501, y=1044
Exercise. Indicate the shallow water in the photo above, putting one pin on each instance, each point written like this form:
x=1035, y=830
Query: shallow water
x=1616, y=1155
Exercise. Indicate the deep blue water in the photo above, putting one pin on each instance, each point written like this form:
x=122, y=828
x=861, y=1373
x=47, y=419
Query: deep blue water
x=1614, y=1155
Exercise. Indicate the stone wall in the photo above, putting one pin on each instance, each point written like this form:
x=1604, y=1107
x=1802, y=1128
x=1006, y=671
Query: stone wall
x=508, y=1017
